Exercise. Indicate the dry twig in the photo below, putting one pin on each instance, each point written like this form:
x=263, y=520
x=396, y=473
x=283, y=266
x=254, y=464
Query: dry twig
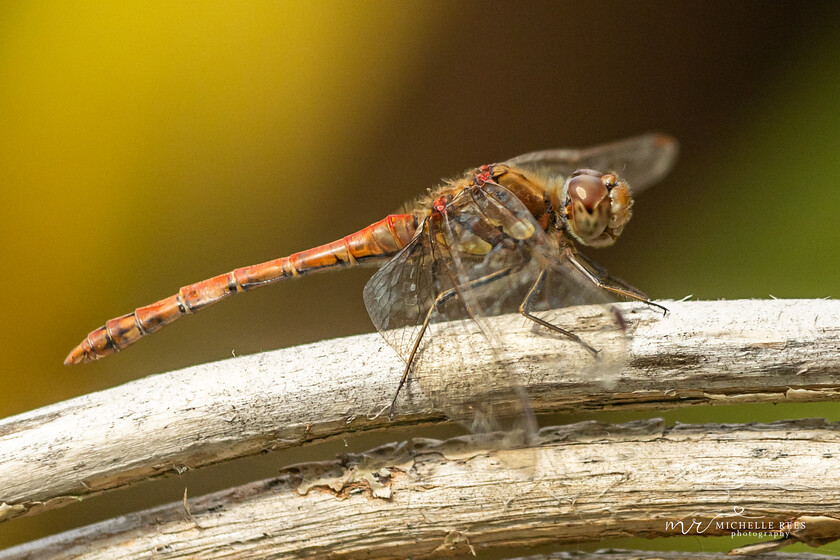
x=702, y=353
x=588, y=482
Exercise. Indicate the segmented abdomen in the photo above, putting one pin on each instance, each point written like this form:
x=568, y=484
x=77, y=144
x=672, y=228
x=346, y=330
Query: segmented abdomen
x=375, y=243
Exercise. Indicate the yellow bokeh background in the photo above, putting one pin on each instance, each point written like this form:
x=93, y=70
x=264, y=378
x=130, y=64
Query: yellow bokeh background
x=145, y=146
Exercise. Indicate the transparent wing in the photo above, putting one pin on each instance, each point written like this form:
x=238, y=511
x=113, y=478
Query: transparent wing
x=490, y=248
x=641, y=160
x=398, y=297
x=471, y=264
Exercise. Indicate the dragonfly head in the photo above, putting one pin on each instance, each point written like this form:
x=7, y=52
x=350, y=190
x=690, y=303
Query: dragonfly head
x=597, y=206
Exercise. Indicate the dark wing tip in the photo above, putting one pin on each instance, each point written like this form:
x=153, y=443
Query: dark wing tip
x=664, y=155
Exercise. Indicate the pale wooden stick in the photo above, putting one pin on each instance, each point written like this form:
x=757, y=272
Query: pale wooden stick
x=585, y=482
x=701, y=353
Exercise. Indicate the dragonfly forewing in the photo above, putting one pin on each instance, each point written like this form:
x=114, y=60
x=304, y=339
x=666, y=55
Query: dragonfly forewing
x=641, y=161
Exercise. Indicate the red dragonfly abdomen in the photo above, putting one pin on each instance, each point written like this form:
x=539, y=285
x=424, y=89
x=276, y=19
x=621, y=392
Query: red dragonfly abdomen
x=367, y=246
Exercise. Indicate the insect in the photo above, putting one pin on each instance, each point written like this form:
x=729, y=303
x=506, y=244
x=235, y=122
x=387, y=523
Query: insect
x=502, y=237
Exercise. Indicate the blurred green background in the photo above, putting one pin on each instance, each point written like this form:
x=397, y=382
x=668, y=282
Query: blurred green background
x=148, y=146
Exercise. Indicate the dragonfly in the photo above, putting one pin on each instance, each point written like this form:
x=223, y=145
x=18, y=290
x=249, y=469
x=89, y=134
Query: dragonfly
x=500, y=238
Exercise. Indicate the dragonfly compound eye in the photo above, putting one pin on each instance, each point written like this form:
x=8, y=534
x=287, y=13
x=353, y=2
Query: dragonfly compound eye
x=588, y=207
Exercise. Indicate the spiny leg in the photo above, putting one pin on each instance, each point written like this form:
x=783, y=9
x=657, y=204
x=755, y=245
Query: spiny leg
x=616, y=286
x=524, y=309
x=441, y=298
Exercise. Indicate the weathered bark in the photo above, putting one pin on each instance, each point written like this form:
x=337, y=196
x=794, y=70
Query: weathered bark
x=701, y=353
x=584, y=482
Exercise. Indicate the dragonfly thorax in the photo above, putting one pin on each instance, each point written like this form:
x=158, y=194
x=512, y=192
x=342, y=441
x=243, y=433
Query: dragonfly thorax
x=597, y=206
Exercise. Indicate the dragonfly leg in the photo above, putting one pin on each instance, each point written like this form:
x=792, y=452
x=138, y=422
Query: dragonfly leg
x=606, y=282
x=524, y=309
x=441, y=298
